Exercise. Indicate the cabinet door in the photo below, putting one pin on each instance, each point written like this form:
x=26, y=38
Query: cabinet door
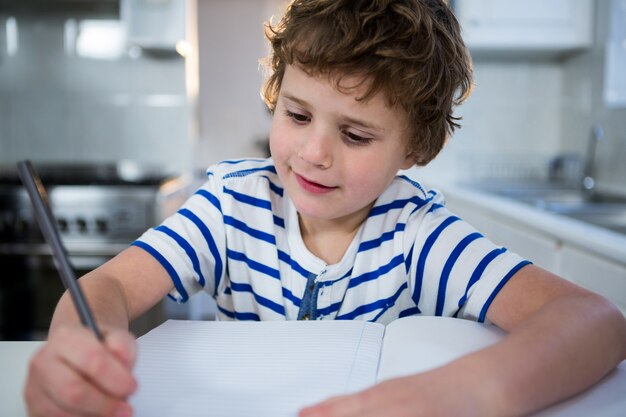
x=534, y=246
x=533, y=25
x=517, y=237
x=600, y=275
x=155, y=24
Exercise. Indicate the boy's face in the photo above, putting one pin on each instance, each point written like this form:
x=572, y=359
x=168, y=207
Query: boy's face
x=335, y=155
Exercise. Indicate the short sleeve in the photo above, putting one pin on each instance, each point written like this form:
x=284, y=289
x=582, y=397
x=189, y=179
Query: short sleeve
x=454, y=269
x=190, y=244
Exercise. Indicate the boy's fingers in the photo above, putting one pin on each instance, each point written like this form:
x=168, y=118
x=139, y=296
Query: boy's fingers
x=73, y=395
x=57, y=391
x=91, y=359
x=348, y=405
x=123, y=346
x=43, y=407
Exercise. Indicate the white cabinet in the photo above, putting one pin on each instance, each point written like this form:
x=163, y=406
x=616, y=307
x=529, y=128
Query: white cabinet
x=515, y=236
x=529, y=26
x=557, y=250
x=155, y=24
x=595, y=273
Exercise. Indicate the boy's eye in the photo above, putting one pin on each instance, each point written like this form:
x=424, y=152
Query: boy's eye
x=357, y=139
x=297, y=117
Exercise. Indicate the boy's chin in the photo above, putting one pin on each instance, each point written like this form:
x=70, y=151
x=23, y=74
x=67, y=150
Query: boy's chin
x=316, y=212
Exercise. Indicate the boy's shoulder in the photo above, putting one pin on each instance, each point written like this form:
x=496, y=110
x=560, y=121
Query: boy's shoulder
x=240, y=168
x=407, y=184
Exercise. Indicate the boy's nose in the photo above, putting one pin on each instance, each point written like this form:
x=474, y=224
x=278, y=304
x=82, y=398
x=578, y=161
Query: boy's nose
x=316, y=150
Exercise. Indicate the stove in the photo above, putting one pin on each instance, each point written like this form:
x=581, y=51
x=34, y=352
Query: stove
x=94, y=205
x=99, y=209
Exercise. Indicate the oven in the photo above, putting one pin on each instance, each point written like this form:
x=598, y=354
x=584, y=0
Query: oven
x=99, y=210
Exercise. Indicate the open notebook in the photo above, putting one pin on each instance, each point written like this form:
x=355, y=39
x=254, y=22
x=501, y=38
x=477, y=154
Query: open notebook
x=201, y=368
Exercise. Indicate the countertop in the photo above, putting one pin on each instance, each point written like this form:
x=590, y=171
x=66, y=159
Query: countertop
x=594, y=239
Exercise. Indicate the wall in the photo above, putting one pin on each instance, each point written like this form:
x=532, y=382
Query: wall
x=511, y=123
x=233, y=118
x=583, y=105
x=524, y=112
x=58, y=106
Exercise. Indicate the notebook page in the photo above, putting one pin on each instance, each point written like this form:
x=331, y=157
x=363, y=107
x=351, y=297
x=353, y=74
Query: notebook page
x=200, y=368
x=418, y=343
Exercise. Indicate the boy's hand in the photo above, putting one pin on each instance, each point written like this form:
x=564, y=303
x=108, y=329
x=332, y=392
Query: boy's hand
x=428, y=394
x=74, y=374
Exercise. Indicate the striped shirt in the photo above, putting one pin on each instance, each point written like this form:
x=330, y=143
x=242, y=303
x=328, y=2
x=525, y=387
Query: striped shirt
x=238, y=239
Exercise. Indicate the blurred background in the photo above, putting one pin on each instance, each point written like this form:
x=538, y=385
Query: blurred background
x=124, y=103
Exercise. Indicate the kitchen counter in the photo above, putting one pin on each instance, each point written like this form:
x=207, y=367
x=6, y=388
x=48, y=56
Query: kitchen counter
x=586, y=254
x=588, y=237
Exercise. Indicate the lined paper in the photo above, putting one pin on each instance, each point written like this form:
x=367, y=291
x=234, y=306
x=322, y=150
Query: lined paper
x=416, y=344
x=205, y=368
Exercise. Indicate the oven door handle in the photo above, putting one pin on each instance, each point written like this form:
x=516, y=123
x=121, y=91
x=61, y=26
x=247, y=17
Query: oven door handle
x=78, y=249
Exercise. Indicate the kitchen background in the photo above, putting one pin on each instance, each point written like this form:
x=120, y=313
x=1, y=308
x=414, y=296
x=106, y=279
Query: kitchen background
x=87, y=80
x=173, y=85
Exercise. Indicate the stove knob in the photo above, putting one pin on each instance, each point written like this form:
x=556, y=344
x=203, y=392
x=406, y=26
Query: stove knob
x=81, y=224
x=101, y=225
x=62, y=223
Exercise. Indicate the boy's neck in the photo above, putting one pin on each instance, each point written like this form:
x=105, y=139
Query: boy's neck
x=329, y=239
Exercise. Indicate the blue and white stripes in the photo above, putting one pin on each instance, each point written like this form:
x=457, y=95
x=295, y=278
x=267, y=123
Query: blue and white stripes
x=238, y=239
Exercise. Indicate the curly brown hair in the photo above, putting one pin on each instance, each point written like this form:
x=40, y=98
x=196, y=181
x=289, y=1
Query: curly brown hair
x=411, y=50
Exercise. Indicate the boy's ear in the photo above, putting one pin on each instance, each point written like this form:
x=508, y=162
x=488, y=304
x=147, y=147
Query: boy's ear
x=410, y=160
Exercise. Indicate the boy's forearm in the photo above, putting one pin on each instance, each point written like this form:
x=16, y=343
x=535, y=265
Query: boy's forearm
x=105, y=299
x=560, y=350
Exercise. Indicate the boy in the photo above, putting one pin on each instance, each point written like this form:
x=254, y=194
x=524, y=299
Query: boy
x=327, y=229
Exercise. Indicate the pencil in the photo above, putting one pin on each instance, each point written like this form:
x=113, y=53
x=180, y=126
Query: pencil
x=43, y=213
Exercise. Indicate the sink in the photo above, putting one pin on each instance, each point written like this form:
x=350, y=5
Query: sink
x=614, y=220
x=569, y=201
x=610, y=215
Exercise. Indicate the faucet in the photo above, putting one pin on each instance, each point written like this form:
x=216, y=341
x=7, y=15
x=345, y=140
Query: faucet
x=588, y=182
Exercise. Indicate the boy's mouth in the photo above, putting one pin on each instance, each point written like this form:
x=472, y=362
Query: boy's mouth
x=311, y=186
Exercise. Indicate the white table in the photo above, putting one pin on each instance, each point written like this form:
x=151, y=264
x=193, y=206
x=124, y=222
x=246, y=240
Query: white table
x=14, y=358
x=605, y=399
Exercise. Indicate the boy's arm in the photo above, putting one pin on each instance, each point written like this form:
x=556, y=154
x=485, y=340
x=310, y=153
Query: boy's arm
x=562, y=338
x=74, y=373
x=119, y=291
